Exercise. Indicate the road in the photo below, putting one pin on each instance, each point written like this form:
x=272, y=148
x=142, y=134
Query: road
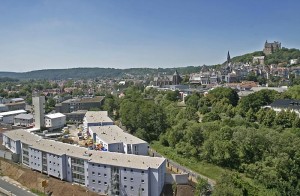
x=15, y=190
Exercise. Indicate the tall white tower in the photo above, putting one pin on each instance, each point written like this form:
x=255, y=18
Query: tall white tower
x=38, y=103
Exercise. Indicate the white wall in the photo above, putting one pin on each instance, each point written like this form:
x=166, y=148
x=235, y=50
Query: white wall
x=35, y=159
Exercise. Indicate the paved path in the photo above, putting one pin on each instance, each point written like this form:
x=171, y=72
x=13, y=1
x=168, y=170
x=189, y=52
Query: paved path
x=182, y=168
x=14, y=188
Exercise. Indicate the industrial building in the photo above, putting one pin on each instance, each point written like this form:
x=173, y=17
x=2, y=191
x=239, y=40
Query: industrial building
x=8, y=117
x=25, y=120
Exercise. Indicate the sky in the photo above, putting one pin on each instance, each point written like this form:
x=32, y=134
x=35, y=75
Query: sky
x=56, y=34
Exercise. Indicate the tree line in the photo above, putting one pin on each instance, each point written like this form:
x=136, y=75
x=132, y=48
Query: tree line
x=260, y=148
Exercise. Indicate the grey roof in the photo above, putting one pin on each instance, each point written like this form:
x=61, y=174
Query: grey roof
x=15, y=112
x=97, y=116
x=109, y=158
x=114, y=134
x=24, y=116
x=286, y=103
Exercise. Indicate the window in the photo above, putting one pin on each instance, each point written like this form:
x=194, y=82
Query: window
x=131, y=170
x=143, y=181
x=104, y=175
x=143, y=189
x=125, y=186
x=105, y=183
x=104, y=166
x=143, y=172
x=125, y=178
x=124, y=169
x=99, y=182
x=49, y=161
x=131, y=179
x=93, y=173
x=93, y=181
x=93, y=164
x=99, y=174
x=98, y=165
x=131, y=188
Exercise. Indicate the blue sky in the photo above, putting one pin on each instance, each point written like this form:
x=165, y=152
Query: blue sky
x=48, y=34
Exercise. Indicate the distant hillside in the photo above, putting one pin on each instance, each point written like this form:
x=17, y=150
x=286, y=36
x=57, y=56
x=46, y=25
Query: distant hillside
x=283, y=55
x=280, y=56
x=247, y=57
x=86, y=73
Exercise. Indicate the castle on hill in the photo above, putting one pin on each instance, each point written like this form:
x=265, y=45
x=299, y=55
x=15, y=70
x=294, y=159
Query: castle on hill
x=271, y=47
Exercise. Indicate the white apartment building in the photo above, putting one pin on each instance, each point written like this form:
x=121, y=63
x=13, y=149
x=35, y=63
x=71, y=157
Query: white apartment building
x=114, y=139
x=55, y=121
x=96, y=118
x=103, y=172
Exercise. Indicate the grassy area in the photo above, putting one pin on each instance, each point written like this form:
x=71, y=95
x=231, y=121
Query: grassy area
x=206, y=169
x=37, y=192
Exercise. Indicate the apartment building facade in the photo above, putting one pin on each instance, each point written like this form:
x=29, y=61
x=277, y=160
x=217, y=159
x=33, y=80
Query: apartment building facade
x=102, y=172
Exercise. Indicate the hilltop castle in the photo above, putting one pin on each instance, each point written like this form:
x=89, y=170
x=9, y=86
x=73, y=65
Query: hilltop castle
x=271, y=47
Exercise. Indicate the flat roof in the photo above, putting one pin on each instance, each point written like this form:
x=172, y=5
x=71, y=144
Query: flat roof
x=79, y=112
x=108, y=158
x=85, y=99
x=114, y=134
x=12, y=112
x=97, y=116
x=24, y=116
x=15, y=103
x=55, y=115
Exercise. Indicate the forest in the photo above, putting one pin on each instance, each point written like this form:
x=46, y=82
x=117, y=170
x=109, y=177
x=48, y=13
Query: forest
x=257, y=149
x=91, y=73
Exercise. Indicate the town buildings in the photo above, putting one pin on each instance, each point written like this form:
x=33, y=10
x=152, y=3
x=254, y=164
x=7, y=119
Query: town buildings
x=103, y=172
x=86, y=103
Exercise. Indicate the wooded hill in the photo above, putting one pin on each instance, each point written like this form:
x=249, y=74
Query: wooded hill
x=280, y=56
x=283, y=55
x=86, y=73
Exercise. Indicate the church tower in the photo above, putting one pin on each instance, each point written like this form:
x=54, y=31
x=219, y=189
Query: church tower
x=176, y=78
x=228, y=58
